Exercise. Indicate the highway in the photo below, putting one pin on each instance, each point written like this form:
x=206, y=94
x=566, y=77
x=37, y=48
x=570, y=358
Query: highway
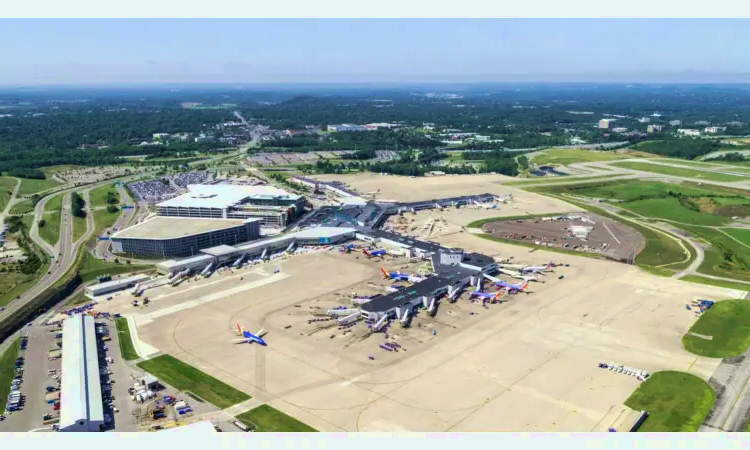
x=62, y=255
x=127, y=218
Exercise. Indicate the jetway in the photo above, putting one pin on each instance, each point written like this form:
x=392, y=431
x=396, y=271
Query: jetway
x=379, y=324
x=349, y=318
x=264, y=255
x=207, y=271
x=292, y=247
x=137, y=290
x=341, y=312
x=240, y=260
x=406, y=317
x=179, y=276
x=432, y=309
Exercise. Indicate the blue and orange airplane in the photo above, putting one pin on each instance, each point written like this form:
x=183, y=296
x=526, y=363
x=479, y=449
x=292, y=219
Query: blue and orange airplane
x=249, y=338
x=511, y=288
x=372, y=253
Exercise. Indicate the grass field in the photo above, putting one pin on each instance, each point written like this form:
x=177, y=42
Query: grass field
x=632, y=189
x=91, y=267
x=98, y=196
x=79, y=227
x=104, y=220
x=728, y=322
x=187, y=378
x=7, y=185
x=12, y=284
x=52, y=216
x=675, y=401
x=7, y=363
x=741, y=234
x=29, y=186
x=718, y=283
x=738, y=255
x=564, y=156
x=671, y=209
x=267, y=419
x=548, y=180
x=127, y=351
x=22, y=207
x=678, y=172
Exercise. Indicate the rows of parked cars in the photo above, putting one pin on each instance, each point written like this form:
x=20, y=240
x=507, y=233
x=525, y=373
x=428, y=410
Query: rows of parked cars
x=108, y=399
x=16, y=399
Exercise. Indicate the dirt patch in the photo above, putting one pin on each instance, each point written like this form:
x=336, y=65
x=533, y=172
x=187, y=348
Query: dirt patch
x=606, y=237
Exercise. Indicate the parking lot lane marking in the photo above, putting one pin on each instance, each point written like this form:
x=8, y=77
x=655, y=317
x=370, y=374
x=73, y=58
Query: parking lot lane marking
x=611, y=233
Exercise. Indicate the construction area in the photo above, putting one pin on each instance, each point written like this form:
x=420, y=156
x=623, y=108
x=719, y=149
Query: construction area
x=589, y=233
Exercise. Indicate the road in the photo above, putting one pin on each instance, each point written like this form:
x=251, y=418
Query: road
x=126, y=219
x=63, y=253
x=11, y=201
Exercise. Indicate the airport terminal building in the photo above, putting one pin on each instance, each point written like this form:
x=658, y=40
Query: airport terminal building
x=81, y=407
x=169, y=237
x=274, y=207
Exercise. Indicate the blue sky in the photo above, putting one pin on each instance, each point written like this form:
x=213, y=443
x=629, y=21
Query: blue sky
x=362, y=50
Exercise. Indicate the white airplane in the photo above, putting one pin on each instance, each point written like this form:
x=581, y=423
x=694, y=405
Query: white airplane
x=485, y=205
x=518, y=275
x=537, y=269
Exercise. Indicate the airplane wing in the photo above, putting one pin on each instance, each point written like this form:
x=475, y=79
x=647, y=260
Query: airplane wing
x=239, y=341
x=261, y=332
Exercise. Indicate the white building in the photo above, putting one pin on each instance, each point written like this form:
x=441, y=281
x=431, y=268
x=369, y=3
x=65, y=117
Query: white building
x=619, y=130
x=81, y=407
x=644, y=120
x=688, y=132
x=654, y=128
x=605, y=123
x=675, y=123
x=713, y=130
x=346, y=127
x=114, y=285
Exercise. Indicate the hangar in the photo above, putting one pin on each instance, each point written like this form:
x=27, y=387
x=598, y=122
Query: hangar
x=81, y=407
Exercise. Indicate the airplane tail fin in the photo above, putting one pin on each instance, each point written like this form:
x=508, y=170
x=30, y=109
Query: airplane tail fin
x=239, y=328
x=385, y=274
x=498, y=295
x=525, y=285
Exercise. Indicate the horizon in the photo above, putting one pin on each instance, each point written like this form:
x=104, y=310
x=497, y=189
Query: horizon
x=63, y=52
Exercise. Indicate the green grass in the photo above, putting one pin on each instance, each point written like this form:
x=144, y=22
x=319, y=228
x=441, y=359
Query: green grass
x=29, y=186
x=7, y=185
x=79, y=227
x=52, y=216
x=22, y=207
x=742, y=235
x=717, y=283
x=91, y=267
x=675, y=401
x=127, y=350
x=714, y=263
x=633, y=189
x=104, y=220
x=7, y=363
x=546, y=180
x=187, y=378
x=671, y=209
x=678, y=172
x=98, y=196
x=569, y=156
x=267, y=419
x=13, y=284
x=728, y=322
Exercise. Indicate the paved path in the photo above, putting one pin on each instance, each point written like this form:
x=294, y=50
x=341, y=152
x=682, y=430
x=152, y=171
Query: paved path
x=11, y=201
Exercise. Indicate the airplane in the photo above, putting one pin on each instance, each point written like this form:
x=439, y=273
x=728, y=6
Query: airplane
x=486, y=295
x=372, y=253
x=518, y=275
x=249, y=338
x=398, y=276
x=485, y=205
x=537, y=269
x=511, y=288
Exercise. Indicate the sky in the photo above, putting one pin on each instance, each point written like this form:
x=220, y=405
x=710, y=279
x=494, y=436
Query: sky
x=108, y=51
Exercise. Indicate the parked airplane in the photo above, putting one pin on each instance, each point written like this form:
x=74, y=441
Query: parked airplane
x=370, y=254
x=398, y=276
x=537, y=269
x=248, y=337
x=511, y=288
x=486, y=295
x=518, y=275
x=485, y=205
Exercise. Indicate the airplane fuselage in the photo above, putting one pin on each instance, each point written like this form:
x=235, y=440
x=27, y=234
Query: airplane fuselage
x=253, y=338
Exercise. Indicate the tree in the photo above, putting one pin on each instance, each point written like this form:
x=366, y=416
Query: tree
x=42, y=223
x=117, y=261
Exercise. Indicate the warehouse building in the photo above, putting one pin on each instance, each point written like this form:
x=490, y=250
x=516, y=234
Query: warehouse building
x=114, y=285
x=172, y=236
x=274, y=207
x=81, y=407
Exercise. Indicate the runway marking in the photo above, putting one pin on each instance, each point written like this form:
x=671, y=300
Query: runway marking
x=611, y=233
x=213, y=297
